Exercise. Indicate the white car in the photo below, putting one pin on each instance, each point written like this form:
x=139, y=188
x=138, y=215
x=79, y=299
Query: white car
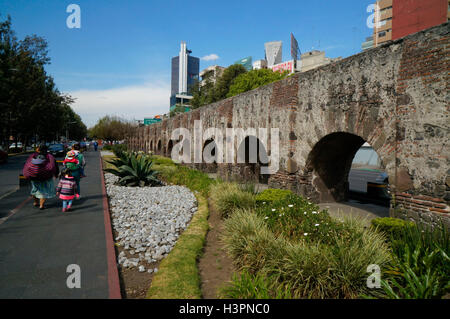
x=367, y=174
x=16, y=145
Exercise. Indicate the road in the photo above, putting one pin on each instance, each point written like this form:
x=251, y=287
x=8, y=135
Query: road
x=9, y=174
x=37, y=246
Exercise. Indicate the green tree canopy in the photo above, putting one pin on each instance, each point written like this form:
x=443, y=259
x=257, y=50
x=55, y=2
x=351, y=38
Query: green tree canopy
x=112, y=128
x=254, y=79
x=30, y=103
x=211, y=92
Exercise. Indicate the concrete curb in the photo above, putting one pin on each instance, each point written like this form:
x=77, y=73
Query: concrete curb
x=113, y=272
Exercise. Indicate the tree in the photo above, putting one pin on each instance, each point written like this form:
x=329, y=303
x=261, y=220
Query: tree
x=112, y=128
x=209, y=92
x=254, y=79
x=224, y=83
x=30, y=103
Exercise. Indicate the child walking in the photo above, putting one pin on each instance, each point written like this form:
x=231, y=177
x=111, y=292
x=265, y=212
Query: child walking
x=67, y=189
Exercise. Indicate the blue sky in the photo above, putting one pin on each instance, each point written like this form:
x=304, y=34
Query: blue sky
x=118, y=62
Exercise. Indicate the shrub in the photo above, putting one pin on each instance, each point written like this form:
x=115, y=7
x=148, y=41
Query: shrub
x=249, y=286
x=391, y=226
x=249, y=241
x=293, y=216
x=227, y=197
x=119, y=149
x=248, y=187
x=271, y=195
x=421, y=264
x=133, y=170
x=311, y=269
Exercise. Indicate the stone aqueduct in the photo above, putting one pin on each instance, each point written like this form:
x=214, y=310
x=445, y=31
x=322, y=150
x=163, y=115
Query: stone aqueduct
x=395, y=97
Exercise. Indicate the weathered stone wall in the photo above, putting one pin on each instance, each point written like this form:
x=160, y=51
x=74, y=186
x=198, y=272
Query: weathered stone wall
x=395, y=97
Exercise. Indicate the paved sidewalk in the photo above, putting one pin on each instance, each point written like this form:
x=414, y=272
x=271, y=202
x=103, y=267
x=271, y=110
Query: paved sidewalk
x=37, y=246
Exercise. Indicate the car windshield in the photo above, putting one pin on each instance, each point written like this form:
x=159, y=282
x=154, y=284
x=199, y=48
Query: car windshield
x=366, y=156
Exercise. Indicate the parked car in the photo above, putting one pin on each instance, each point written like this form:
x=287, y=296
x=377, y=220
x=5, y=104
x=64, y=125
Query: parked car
x=3, y=156
x=57, y=150
x=16, y=147
x=367, y=174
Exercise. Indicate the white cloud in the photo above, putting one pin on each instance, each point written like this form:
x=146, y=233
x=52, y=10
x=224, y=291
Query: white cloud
x=210, y=57
x=130, y=102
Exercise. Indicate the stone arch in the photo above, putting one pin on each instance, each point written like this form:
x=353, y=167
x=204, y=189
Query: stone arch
x=151, y=146
x=159, y=147
x=329, y=162
x=169, y=148
x=252, y=163
x=210, y=167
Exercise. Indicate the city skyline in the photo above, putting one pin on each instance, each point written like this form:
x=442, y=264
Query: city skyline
x=118, y=62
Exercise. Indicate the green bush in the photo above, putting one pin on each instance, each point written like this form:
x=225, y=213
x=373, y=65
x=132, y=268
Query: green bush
x=249, y=187
x=271, y=195
x=227, y=197
x=311, y=269
x=391, y=226
x=293, y=216
x=249, y=286
x=421, y=264
x=119, y=149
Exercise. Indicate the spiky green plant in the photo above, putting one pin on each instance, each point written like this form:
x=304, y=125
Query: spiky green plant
x=134, y=170
x=421, y=264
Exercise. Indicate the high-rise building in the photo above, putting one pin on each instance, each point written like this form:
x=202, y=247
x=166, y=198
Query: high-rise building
x=259, y=64
x=274, y=54
x=314, y=59
x=399, y=18
x=246, y=63
x=211, y=74
x=185, y=71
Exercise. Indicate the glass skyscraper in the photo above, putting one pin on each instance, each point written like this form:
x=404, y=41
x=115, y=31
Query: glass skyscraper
x=185, y=71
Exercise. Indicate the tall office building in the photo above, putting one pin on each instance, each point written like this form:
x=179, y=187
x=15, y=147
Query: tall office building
x=399, y=18
x=185, y=71
x=274, y=54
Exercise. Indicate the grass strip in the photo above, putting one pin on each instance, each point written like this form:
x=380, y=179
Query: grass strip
x=178, y=276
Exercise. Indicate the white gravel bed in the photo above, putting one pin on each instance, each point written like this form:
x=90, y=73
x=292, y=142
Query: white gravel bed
x=148, y=220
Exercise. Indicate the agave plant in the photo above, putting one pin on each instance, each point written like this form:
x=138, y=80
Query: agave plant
x=134, y=170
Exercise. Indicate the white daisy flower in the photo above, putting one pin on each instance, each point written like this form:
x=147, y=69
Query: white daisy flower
x=291, y=206
x=273, y=209
x=266, y=217
x=306, y=234
x=316, y=225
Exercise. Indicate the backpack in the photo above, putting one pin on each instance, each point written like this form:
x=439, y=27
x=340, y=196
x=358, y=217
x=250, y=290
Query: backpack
x=38, y=167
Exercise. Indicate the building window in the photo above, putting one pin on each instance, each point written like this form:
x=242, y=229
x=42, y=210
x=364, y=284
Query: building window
x=381, y=34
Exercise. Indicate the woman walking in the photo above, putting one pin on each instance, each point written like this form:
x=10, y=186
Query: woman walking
x=40, y=168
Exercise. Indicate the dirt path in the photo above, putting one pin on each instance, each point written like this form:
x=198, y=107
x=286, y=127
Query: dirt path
x=215, y=266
